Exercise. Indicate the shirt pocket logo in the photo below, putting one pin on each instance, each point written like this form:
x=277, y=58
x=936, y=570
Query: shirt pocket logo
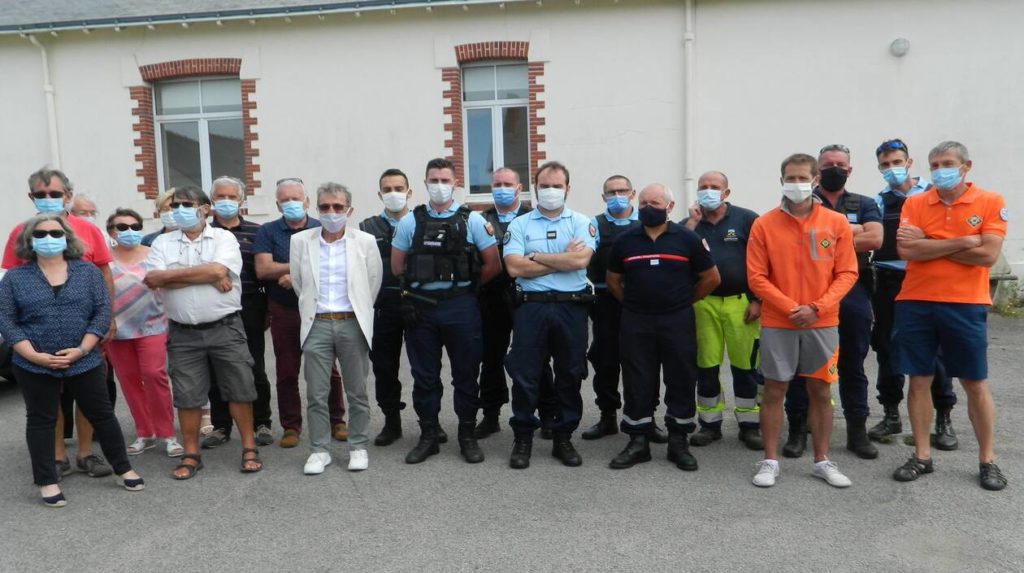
x=821, y=243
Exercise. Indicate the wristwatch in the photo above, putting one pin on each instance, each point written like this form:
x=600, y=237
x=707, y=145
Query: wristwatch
x=532, y=256
x=814, y=307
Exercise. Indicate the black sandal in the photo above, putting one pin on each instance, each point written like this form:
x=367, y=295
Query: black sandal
x=245, y=461
x=192, y=468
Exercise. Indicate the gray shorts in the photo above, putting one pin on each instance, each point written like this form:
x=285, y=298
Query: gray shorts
x=811, y=353
x=192, y=353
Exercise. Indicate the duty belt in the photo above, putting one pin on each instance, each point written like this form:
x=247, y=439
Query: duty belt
x=583, y=296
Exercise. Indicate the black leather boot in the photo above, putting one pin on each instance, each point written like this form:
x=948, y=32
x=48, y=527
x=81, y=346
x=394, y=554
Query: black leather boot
x=945, y=437
x=705, y=435
x=487, y=426
x=637, y=451
x=796, y=443
x=608, y=425
x=751, y=437
x=563, y=449
x=392, y=429
x=442, y=437
x=547, y=424
x=857, y=439
x=679, y=451
x=889, y=425
x=521, y=450
x=467, y=443
x=427, y=445
x=658, y=435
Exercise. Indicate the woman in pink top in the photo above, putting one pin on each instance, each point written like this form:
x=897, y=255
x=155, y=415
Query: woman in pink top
x=138, y=350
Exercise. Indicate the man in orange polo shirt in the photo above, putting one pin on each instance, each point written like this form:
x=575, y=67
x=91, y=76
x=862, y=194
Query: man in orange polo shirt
x=950, y=236
x=801, y=262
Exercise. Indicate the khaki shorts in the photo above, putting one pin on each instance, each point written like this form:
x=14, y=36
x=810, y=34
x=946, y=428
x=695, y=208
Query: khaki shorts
x=192, y=354
x=810, y=353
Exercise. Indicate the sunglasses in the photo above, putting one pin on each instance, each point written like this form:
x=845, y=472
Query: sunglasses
x=328, y=207
x=185, y=204
x=126, y=226
x=835, y=147
x=892, y=144
x=45, y=194
x=55, y=233
x=289, y=180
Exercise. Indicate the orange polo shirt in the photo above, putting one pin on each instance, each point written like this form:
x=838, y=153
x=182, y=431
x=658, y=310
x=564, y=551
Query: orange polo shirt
x=801, y=260
x=976, y=212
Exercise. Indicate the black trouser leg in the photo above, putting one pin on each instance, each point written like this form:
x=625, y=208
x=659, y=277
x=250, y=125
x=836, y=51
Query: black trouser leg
x=889, y=383
x=254, y=321
x=496, y=319
x=90, y=391
x=111, y=382
x=67, y=407
x=386, y=356
x=42, y=394
x=604, y=352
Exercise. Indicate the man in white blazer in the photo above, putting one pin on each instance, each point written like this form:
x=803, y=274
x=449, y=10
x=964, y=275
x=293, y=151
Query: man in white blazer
x=336, y=273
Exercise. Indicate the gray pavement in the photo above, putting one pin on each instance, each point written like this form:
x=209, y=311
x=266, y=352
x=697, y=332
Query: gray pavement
x=446, y=515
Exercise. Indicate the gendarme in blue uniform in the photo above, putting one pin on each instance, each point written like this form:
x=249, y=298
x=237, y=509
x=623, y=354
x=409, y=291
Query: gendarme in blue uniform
x=478, y=235
x=533, y=232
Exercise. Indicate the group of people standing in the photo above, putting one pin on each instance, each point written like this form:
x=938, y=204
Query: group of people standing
x=794, y=297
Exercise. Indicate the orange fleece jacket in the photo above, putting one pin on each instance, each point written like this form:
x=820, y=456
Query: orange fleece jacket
x=793, y=261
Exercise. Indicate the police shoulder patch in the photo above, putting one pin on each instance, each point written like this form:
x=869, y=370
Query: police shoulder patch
x=489, y=228
x=506, y=238
x=1004, y=214
x=593, y=230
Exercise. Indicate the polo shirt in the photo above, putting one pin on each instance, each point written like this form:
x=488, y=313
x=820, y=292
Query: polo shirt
x=275, y=238
x=481, y=235
x=660, y=274
x=197, y=304
x=534, y=233
x=94, y=242
x=976, y=212
x=727, y=240
x=245, y=234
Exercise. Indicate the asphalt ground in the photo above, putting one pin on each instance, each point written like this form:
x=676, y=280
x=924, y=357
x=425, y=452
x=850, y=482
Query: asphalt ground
x=446, y=515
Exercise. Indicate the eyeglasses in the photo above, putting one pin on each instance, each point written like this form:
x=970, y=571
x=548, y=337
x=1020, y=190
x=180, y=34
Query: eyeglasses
x=45, y=194
x=289, y=180
x=617, y=192
x=126, y=226
x=185, y=204
x=835, y=147
x=328, y=207
x=891, y=145
x=40, y=233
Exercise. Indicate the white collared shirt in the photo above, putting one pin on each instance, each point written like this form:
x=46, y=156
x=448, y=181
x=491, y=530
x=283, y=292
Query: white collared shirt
x=333, y=276
x=196, y=304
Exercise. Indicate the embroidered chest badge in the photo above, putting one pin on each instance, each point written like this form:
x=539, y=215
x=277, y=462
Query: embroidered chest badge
x=731, y=235
x=974, y=220
x=825, y=243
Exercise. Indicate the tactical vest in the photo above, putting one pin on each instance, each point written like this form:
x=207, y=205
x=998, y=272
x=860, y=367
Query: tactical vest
x=609, y=231
x=893, y=205
x=384, y=233
x=502, y=280
x=852, y=207
x=441, y=250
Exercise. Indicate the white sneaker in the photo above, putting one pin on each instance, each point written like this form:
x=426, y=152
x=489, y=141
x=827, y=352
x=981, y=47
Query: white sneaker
x=174, y=449
x=767, y=471
x=140, y=445
x=316, y=463
x=358, y=460
x=829, y=471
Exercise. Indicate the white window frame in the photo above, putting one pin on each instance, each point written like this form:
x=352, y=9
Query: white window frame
x=203, y=119
x=497, y=126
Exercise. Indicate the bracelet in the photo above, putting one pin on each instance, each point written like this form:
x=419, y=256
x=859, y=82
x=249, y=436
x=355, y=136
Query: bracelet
x=82, y=350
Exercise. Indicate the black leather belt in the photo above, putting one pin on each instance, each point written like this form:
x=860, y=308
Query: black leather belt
x=582, y=296
x=206, y=325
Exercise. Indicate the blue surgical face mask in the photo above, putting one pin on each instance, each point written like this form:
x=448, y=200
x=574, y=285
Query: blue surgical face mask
x=186, y=217
x=49, y=246
x=503, y=196
x=946, y=178
x=129, y=238
x=895, y=176
x=49, y=205
x=709, y=199
x=617, y=204
x=226, y=208
x=293, y=210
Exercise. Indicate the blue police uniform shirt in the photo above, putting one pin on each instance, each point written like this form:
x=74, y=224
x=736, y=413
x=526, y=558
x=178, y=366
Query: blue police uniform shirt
x=535, y=233
x=634, y=216
x=393, y=222
x=480, y=234
x=511, y=215
x=920, y=186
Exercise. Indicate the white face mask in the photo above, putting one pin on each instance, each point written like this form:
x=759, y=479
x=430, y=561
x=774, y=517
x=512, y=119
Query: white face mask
x=797, y=192
x=395, y=201
x=440, y=193
x=167, y=220
x=551, y=198
x=333, y=222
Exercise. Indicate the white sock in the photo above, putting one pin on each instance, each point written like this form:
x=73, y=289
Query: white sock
x=822, y=463
x=773, y=463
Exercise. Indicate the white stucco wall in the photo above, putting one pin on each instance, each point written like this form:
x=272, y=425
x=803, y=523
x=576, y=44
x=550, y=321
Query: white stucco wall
x=346, y=98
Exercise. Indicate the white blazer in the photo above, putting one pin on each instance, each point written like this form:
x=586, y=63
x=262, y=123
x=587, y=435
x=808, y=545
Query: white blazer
x=363, y=270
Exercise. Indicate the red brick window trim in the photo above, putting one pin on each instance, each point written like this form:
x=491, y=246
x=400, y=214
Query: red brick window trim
x=145, y=128
x=492, y=51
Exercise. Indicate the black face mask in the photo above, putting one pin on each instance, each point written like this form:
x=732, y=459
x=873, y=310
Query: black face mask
x=833, y=179
x=652, y=216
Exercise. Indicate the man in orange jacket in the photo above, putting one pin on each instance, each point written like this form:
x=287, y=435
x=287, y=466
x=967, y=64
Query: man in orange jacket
x=801, y=262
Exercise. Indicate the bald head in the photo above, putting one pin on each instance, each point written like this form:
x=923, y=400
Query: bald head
x=657, y=195
x=713, y=180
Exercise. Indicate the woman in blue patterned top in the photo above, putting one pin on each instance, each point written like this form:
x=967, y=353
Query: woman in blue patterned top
x=53, y=312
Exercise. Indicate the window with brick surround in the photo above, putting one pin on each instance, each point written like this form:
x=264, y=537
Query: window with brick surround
x=495, y=108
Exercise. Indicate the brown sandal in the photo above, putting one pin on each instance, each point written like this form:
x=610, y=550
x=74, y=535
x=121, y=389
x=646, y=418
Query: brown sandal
x=192, y=468
x=246, y=460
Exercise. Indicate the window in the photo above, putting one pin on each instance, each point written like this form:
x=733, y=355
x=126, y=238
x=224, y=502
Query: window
x=495, y=106
x=199, y=131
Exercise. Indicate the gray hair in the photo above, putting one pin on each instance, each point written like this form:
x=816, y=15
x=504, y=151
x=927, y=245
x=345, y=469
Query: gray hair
x=84, y=196
x=192, y=193
x=666, y=193
x=288, y=182
x=955, y=146
x=23, y=245
x=45, y=174
x=228, y=180
x=332, y=188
